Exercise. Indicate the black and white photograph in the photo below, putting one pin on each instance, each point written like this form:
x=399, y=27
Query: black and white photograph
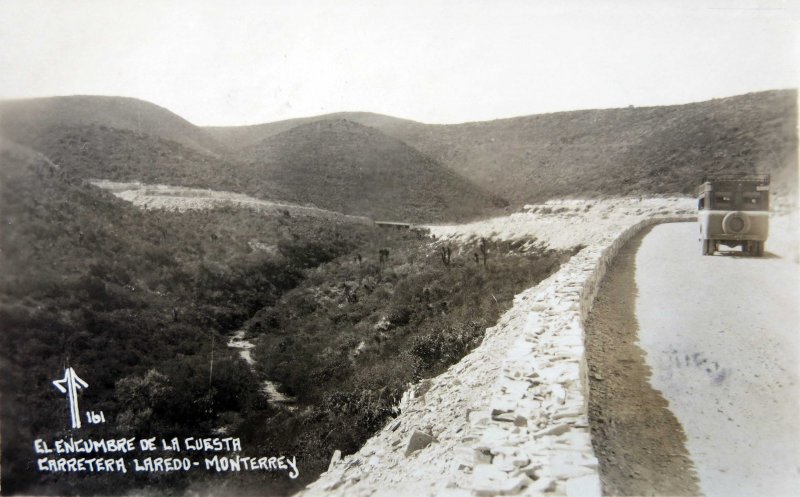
x=368, y=248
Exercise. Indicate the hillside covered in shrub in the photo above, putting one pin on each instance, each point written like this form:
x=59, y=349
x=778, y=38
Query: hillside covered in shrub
x=131, y=298
x=338, y=165
x=364, y=326
x=142, y=303
x=28, y=119
x=344, y=166
x=604, y=152
x=95, y=151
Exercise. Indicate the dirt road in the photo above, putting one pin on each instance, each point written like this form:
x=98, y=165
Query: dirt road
x=638, y=441
x=694, y=368
x=722, y=336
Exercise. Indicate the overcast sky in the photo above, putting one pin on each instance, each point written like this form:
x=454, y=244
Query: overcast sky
x=244, y=62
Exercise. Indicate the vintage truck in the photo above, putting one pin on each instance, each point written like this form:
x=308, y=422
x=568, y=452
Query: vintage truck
x=733, y=210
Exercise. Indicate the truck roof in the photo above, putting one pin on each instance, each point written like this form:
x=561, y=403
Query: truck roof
x=734, y=181
x=761, y=179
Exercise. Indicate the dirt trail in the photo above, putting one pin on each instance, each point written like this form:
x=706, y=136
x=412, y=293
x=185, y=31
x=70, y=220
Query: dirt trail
x=639, y=443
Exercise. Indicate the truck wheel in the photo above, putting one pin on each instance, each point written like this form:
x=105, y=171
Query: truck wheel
x=759, y=249
x=735, y=223
x=708, y=247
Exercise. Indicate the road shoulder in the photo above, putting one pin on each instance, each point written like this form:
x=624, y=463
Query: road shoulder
x=640, y=445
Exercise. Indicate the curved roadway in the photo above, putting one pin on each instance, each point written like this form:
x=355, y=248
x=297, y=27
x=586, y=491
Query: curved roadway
x=722, y=336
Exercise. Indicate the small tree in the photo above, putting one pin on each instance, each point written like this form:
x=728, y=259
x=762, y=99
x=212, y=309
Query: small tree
x=383, y=259
x=484, y=250
x=446, y=256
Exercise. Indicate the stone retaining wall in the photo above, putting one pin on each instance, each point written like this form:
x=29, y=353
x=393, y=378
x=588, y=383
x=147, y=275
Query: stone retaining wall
x=511, y=418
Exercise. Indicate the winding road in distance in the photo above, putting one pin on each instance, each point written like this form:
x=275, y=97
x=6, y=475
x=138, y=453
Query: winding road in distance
x=722, y=336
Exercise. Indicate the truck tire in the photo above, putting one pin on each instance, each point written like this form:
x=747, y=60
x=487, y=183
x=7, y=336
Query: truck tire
x=735, y=223
x=708, y=247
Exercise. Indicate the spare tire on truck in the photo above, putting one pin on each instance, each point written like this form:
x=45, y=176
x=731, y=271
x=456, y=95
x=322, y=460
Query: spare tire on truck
x=736, y=223
x=733, y=210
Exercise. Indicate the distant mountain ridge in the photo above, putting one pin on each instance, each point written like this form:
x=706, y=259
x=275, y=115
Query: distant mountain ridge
x=238, y=137
x=629, y=151
x=380, y=166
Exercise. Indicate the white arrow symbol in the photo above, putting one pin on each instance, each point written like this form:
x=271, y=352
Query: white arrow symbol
x=70, y=385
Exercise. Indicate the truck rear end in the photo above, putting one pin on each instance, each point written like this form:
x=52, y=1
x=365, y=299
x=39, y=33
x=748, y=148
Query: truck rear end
x=733, y=210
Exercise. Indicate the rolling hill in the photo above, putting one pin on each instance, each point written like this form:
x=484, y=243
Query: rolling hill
x=28, y=119
x=239, y=137
x=126, y=296
x=631, y=151
x=381, y=166
x=345, y=167
x=98, y=151
x=342, y=165
x=143, y=303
